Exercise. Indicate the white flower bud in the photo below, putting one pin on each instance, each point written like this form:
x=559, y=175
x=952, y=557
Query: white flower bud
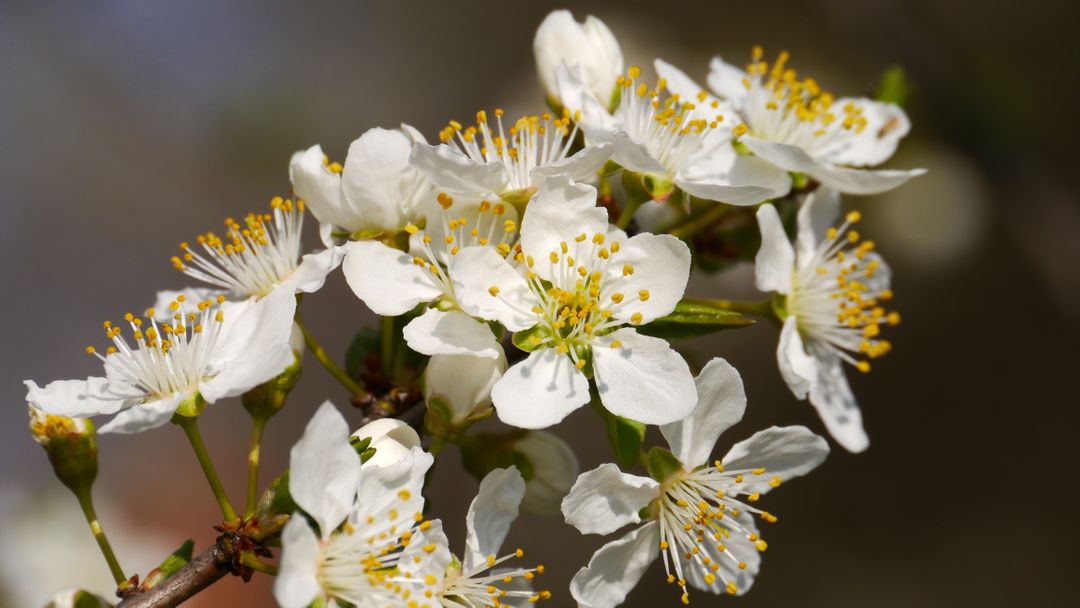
x=554, y=468
x=590, y=45
x=463, y=384
x=392, y=439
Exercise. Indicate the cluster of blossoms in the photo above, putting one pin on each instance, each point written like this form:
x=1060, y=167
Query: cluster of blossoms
x=523, y=268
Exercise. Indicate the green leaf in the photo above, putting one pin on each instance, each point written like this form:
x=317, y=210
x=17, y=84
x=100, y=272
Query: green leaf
x=171, y=565
x=692, y=319
x=893, y=86
x=625, y=435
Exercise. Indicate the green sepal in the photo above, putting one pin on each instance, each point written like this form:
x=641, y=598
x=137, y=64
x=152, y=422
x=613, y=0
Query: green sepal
x=192, y=407
x=893, y=86
x=779, y=307
x=268, y=398
x=482, y=453
x=692, y=319
x=799, y=180
x=363, y=448
x=275, y=507
x=530, y=339
x=658, y=188
x=663, y=465
x=626, y=436
x=170, y=565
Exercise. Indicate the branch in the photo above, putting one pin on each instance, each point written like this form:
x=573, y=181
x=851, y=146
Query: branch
x=206, y=569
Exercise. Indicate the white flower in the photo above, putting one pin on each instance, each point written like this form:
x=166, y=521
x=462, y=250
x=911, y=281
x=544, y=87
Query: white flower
x=391, y=282
x=392, y=439
x=256, y=257
x=798, y=127
x=588, y=46
x=433, y=572
x=462, y=384
x=213, y=349
x=376, y=189
x=554, y=470
x=578, y=283
x=834, y=288
x=700, y=515
x=674, y=136
x=375, y=507
x=488, y=160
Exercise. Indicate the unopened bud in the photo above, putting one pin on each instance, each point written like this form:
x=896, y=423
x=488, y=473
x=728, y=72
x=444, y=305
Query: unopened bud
x=268, y=398
x=76, y=598
x=457, y=389
x=391, y=439
x=71, y=444
x=554, y=470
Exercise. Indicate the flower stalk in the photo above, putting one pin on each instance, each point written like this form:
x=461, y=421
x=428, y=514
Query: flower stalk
x=86, y=503
x=191, y=430
x=354, y=387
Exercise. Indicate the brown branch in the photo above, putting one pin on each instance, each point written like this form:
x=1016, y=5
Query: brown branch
x=206, y=569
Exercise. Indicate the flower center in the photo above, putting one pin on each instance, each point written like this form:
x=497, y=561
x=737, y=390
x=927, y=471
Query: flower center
x=837, y=296
x=671, y=129
x=252, y=258
x=533, y=141
x=483, y=587
x=699, y=515
x=781, y=107
x=166, y=359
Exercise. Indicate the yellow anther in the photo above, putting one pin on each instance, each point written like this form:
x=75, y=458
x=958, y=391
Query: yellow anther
x=643, y=295
x=493, y=290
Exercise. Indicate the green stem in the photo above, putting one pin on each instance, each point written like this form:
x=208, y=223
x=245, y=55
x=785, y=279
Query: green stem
x=628, y=212
x=191, y=429
x=258, y=423
x=320, y=353
x=762, y=308
x=437, y=445
x=694, y=225
x=87, y=504
x=256, y=564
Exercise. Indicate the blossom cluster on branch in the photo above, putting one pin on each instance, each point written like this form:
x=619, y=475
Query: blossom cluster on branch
x=522, y=268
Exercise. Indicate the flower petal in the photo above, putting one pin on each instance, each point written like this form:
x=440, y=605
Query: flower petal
x=817, y=213
x=449, y=169
x=643, y=378
x=590, y=46
x=737, y=549
x=774, y=264
x=848, y=181
x=831, y=395
x=560, y=211
x=630, y=154
x=475, y=271
x=144, y=416
x=738, y=180
x=726, y=81
x=463, y=382
x=540, y=391
x=386, y=279
x=393, y=440
x=417, y=561
x=311, y=274
x=582, y=166
x=438, y=332
x=490, y=515
x=660, y=265
x=324, y=468
x=378, y=183
x=81, y=398
x=721, y=403
x=556, y=469
x=797, y=367
x=616, y=568
x=297, y=583
x=320, y=188
x=390, y=495
x=578, y=98
x=784, y=452
x=605, y=499
x=886, y=125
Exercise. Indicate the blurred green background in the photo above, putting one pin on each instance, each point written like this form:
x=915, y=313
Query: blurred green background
x=129, y=126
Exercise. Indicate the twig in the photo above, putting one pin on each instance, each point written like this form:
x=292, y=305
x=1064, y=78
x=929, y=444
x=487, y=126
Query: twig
x=206, y=569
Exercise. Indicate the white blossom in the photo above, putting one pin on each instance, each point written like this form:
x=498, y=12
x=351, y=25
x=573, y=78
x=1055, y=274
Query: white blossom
x=699, y=518
x=590, y=47
x=834, y=289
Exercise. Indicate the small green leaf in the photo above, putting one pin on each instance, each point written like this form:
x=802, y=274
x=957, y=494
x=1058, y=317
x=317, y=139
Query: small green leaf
x=171, y=565
x=893, y=86
x=530, y=339
x=662, y=464
x=625, y=435
x=692, y=319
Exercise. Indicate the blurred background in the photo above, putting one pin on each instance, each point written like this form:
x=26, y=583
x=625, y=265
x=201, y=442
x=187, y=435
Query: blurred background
x=129, y=126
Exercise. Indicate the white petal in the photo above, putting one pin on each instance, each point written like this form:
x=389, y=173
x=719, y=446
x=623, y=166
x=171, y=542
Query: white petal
x=616, y=568
x=785, y=452
x=449, y=169
x=605, y=499
x=144, y=416
x=797, y=367
x=577, y=97
x=886, y=125
x=319, y=188
x=848, y=181
x=590, y=46
x=560, y=211
x=311, y=274
x=417, y=562
x=582, y=166
x=491, y=513
x=721, y=403
x=643, y=379
x=377, y=180
x=555, y=469
x=661, y=268
x=297, y=583
x=162, y=313
x=818, y=212
x=540, y=391
x=386, y=279
x=475, y=271
x=390, y=495
x=631, y=154
x=726, y=80
x=774, y=264
x=392, y=439
x=438, y=332
x=463, y=382
x=735, y=180
x=736, y=545
x=81, y=398
x=323, y=469
x=831, y=395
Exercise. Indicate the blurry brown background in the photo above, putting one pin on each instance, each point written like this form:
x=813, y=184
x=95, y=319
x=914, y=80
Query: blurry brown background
x=129, y=126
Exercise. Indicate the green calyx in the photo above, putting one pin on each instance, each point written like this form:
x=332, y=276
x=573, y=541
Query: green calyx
x=268, y=398
x=663, y=465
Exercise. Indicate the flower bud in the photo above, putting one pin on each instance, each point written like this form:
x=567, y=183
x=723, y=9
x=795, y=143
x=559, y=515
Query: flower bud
x=71, y=444
x=268, y=398
x=554, y=471
x=76, y=598
x=590, y=46
x=457, y=389
x=392, y=439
